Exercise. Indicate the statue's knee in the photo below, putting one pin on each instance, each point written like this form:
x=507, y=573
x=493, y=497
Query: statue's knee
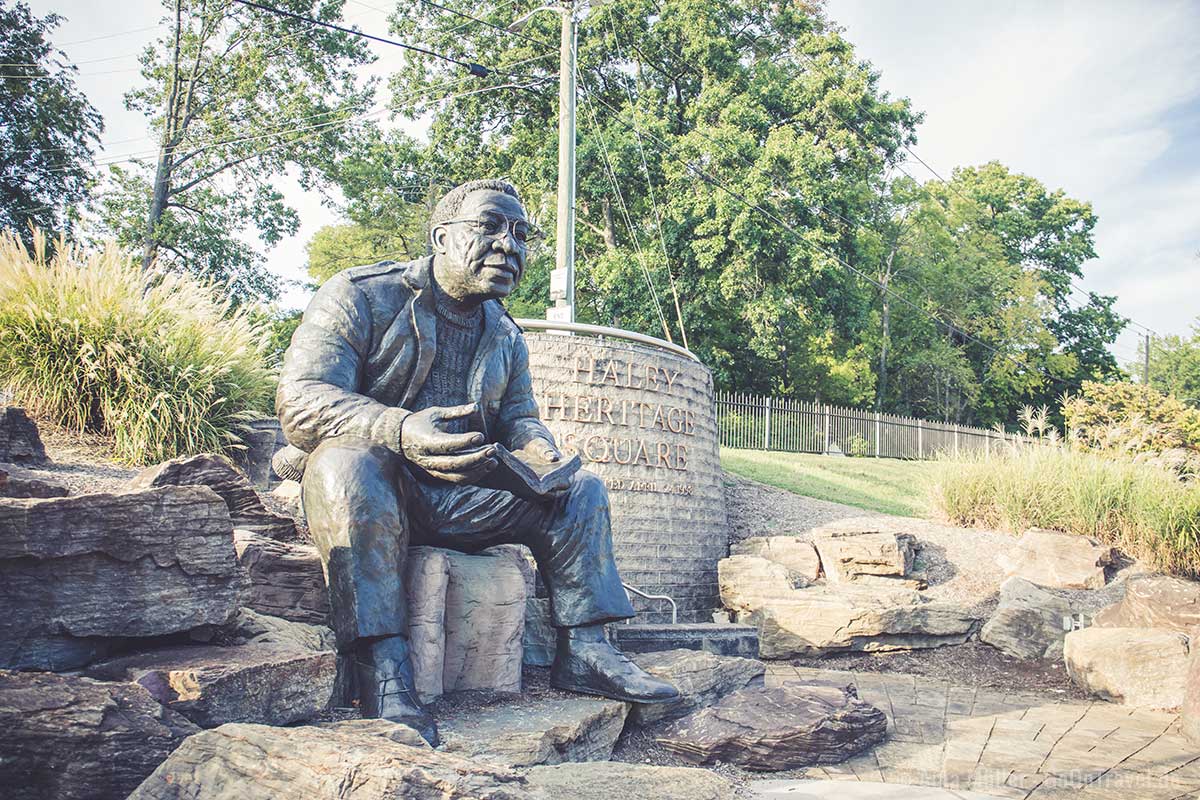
x=589, y=490
x=345, y=469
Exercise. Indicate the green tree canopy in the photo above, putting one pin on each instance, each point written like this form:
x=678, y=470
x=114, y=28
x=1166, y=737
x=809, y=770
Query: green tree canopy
x=236, y=96
x=48, y=129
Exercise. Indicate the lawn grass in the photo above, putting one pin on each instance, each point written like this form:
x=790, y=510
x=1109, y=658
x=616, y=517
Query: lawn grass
x=887, y=485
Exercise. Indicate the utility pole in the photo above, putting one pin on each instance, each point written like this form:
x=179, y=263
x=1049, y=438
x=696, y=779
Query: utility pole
x=1146, y=364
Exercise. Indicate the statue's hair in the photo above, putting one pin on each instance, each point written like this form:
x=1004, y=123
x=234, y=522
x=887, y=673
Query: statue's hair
x=451, y=203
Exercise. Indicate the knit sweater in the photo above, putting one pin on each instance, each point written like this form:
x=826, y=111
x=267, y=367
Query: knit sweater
x=458, y=336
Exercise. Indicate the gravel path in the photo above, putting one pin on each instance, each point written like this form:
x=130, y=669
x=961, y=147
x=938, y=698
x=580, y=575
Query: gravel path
x=82, y=463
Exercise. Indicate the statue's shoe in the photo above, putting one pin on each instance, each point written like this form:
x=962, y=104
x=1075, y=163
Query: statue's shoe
x=599, y=668
x=385, y=681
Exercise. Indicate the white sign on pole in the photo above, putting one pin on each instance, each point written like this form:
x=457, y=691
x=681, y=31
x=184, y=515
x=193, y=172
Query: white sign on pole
x=559, y=314
x=558, y=284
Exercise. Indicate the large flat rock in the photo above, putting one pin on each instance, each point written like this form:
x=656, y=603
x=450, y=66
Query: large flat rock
x=528, y=730
x=848, y=556
x=702, y=679
x=820, y=620
x=748, y=582
x=257, y=762
x=78, y=572
x=1145, y=667
x=1155, y=601
x=1058, y=560
x=69, y=738
x=246, y=509
x=613, y=780
x=780, y=728
x=20, y=482
x=286, y=578
x=260, y=682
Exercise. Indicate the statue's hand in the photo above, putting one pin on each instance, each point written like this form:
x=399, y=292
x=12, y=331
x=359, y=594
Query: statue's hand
x=454, y=457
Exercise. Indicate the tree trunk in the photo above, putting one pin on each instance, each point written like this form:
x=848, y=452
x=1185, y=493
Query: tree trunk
x=610, y=230
x=166, y=152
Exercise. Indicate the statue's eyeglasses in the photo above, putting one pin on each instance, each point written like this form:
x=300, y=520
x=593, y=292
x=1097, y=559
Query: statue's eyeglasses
x=496, y=225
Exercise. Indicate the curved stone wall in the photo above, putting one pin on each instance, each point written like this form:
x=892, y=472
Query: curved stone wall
x=643, y=420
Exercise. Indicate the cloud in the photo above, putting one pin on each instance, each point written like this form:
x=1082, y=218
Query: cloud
x=1097, y=98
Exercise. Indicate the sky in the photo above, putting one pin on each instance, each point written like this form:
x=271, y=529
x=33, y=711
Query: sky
x=1098, y=98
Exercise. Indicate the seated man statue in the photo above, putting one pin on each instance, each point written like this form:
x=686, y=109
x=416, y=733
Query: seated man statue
x=397, y=384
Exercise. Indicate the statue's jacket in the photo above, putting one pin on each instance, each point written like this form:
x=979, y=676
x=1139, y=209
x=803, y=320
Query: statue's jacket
x=364, y=349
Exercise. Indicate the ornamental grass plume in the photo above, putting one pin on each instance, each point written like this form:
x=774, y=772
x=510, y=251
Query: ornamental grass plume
x=159, y=363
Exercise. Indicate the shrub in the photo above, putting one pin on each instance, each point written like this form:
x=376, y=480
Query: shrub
x=1130, y=418
x=1143, y=509
x=159, y=363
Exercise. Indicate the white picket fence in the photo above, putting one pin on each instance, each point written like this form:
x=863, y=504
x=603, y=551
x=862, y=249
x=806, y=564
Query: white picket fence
x=756, y=422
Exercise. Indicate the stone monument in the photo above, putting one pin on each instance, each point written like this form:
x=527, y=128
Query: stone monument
x=405, y=392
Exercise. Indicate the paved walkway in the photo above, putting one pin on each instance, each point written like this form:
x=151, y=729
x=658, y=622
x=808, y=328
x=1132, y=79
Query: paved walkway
x=1008, y=745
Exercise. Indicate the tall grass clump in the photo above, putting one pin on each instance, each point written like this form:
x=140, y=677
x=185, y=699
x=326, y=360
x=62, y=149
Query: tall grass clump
x=159, y=363
x=1145, y=510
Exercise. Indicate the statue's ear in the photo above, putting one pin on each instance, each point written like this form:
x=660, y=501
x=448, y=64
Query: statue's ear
x=437, y=238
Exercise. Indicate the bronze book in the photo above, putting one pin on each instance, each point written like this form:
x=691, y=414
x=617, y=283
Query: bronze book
x=529, y=480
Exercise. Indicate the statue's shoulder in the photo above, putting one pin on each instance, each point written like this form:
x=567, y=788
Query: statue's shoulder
x=366, y=271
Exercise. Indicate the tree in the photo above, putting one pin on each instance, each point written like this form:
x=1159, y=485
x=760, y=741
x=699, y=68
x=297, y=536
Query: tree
x=48, y=129
x=1174, y=365
x=705, y=129
x=236, y=96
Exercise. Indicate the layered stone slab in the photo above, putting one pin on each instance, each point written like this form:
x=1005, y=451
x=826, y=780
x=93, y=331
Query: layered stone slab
x=799, y=556
x=262, y=683
x=848, y=556
x=529, y=730
x=77, y=573
x=701, y=678
x=778, y=728
x=286, y=578
x=20, y=442
x=610, y=780
x=69, y=738
x=218, y=473
x=1032, y=621
x=1155, y=601
x=25, y=483
x=268, y=763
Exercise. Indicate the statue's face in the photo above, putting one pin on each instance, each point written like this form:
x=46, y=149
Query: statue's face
x=482, y=251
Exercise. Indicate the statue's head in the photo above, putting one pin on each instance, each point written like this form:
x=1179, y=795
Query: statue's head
x=480, y=237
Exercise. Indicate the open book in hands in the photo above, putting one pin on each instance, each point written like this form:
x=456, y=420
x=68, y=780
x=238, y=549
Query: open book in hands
x=528, y=477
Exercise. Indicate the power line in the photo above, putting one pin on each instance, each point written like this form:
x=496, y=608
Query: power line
x=493, y=26
x=107, y=36
x=477, y=70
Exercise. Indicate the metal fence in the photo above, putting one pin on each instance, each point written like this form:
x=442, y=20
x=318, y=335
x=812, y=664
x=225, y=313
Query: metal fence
x=754, y=422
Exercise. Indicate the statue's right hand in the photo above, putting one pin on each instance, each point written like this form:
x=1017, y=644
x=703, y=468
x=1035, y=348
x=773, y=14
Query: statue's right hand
x=454, y=457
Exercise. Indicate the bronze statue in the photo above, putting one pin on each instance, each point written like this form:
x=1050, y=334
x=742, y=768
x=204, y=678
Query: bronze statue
x=399, y=383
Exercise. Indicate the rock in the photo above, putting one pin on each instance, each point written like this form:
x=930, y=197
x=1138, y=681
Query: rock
x=394, y=731
x=1155, y=601
x=848, y=555
x=19, y=482
x=1031, y=621
x=286, y=578
x=78, y=572
x=780, y=728
x=218, y=473
x=1057, y=560
x=249, y=626
x=69, y=738
x=797, y=555
x=529, y=730
x=1189, y=722
x=20, y=442
x=702, y=679
x=466, y=619
x=540, y=637
x=829, y=619
x=268, y=683
x=288, y=494
x=613, y=780
x=1135, y=666
x=256, y=762
x=748, y=582
x=485, y=620
x=427, y=576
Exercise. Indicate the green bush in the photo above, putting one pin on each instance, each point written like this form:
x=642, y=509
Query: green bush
x=157, y=362
x=1145, y=510
x=1130, y=418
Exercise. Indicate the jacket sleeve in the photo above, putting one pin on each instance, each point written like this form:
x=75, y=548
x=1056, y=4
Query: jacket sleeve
x=519, y=422
x=318, y=386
